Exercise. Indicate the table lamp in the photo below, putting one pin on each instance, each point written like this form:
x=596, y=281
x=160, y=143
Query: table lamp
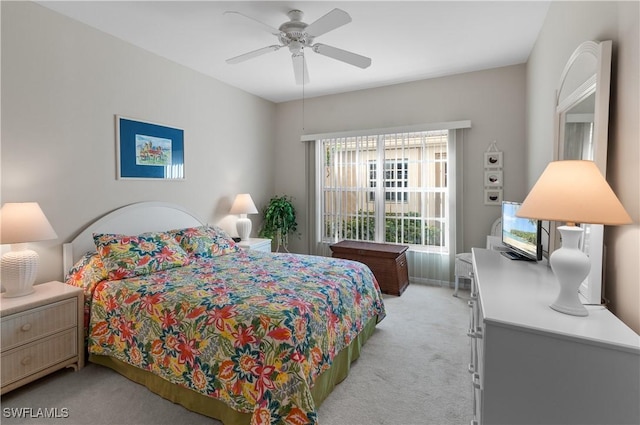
x=243, y=205
x=21, y=223
x=573, y=192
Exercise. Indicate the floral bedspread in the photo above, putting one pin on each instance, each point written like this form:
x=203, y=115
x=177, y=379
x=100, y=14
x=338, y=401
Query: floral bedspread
x=252, y=329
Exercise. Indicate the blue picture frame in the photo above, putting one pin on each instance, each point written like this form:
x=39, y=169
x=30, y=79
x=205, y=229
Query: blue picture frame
x=147, y=150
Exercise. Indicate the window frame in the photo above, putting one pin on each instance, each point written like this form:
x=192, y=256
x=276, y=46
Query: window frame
x=376, y=183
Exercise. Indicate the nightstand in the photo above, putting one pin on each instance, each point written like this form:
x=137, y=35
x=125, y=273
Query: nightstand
x=41, y=333
x=256, y=244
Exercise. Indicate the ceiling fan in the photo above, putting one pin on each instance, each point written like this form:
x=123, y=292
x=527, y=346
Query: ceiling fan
x=298, y=35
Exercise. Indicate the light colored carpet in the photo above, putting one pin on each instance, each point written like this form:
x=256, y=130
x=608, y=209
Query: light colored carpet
x=413, y=370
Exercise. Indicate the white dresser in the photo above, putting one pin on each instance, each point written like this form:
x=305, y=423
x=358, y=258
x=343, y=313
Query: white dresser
x=533, y=365
x=41, y=333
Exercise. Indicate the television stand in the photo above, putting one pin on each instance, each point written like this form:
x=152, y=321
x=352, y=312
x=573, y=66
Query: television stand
x=515, y=256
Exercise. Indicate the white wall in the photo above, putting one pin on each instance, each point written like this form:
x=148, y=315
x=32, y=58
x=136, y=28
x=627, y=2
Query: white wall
x=567, y=25
x=493, y=100
x=62, y=84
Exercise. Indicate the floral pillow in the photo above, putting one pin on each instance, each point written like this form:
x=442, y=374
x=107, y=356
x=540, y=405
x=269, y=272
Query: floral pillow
x=205, y=241
x=126, y=256
x=87, y=273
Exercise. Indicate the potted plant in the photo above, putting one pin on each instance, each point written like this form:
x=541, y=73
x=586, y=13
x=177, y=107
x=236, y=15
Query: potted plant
x=279, y=220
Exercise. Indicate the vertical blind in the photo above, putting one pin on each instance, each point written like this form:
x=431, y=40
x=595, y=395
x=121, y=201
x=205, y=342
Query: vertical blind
x=385, y=188
x=392, y=187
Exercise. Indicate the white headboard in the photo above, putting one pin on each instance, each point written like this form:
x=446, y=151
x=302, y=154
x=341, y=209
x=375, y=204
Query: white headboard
x=129, y=220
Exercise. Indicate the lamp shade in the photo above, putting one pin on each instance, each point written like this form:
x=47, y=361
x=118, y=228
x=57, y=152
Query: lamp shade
x=575, y=192
x=243, y=204
x=22, y=222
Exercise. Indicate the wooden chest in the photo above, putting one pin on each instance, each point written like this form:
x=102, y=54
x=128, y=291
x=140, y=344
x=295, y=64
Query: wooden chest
x=387, y=262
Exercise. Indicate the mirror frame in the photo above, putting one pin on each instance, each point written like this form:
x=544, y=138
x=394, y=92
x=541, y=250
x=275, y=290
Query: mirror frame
x=599, y=82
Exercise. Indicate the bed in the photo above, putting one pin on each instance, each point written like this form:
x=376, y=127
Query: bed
x=246, y=337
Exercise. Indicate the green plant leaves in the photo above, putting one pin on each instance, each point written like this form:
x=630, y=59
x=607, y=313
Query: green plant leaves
x=279, y=219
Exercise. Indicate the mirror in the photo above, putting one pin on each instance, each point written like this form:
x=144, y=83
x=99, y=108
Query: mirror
x=582, y=125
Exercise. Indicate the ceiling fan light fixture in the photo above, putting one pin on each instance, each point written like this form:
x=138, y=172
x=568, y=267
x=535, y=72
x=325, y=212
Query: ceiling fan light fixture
x=295, y=47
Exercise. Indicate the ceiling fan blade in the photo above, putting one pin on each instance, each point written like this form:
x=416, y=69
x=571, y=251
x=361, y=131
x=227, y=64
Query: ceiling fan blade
x=342, y=55
x=253, y=54
x=332, y=20
x=262, y=25
x=300, y=68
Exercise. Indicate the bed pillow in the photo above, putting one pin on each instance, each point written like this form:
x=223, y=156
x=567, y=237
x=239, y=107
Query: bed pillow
x=126, y=256
x=205, y=241
x=87, y=273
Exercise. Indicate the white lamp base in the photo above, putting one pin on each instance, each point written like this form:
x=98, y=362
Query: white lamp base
x=571, y=266
x=19, y=268
x=243, y=226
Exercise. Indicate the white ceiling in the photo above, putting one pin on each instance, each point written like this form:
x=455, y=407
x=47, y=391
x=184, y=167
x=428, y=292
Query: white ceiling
x=406, y=41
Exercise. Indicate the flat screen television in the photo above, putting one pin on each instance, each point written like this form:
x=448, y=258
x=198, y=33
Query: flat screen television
x=521, y=235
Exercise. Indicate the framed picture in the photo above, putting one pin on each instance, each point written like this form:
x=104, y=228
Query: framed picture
x=493, y=196
x=493, y=160
x=148, y=151
x=493, y=178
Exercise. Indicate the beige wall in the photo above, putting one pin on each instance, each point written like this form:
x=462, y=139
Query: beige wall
x=62, y=84
x=567, y=25
x=493, y=100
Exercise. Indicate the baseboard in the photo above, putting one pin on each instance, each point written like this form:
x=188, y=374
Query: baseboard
x=464, y=283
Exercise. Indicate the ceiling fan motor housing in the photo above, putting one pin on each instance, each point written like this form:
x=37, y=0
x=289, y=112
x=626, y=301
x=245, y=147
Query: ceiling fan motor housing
x=293, y=34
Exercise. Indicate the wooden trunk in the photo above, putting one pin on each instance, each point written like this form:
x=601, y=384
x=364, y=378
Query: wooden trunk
x=387, y=262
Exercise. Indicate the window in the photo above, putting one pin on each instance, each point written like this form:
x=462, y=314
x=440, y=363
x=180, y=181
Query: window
x=394, y=185
x=395, y=177
x=407, y=203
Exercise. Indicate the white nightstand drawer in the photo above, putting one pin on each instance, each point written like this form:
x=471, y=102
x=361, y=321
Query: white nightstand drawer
x=39, y=322
x=31, y=358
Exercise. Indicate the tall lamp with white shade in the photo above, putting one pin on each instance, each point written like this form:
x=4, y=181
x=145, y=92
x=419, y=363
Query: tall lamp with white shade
x=573, y=192
x=243, y=205
x=21, y=223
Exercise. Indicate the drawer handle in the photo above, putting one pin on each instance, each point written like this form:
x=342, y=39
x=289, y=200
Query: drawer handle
x=26, y=361
x=474, y=334
x=476, y=380
x=26, y=327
